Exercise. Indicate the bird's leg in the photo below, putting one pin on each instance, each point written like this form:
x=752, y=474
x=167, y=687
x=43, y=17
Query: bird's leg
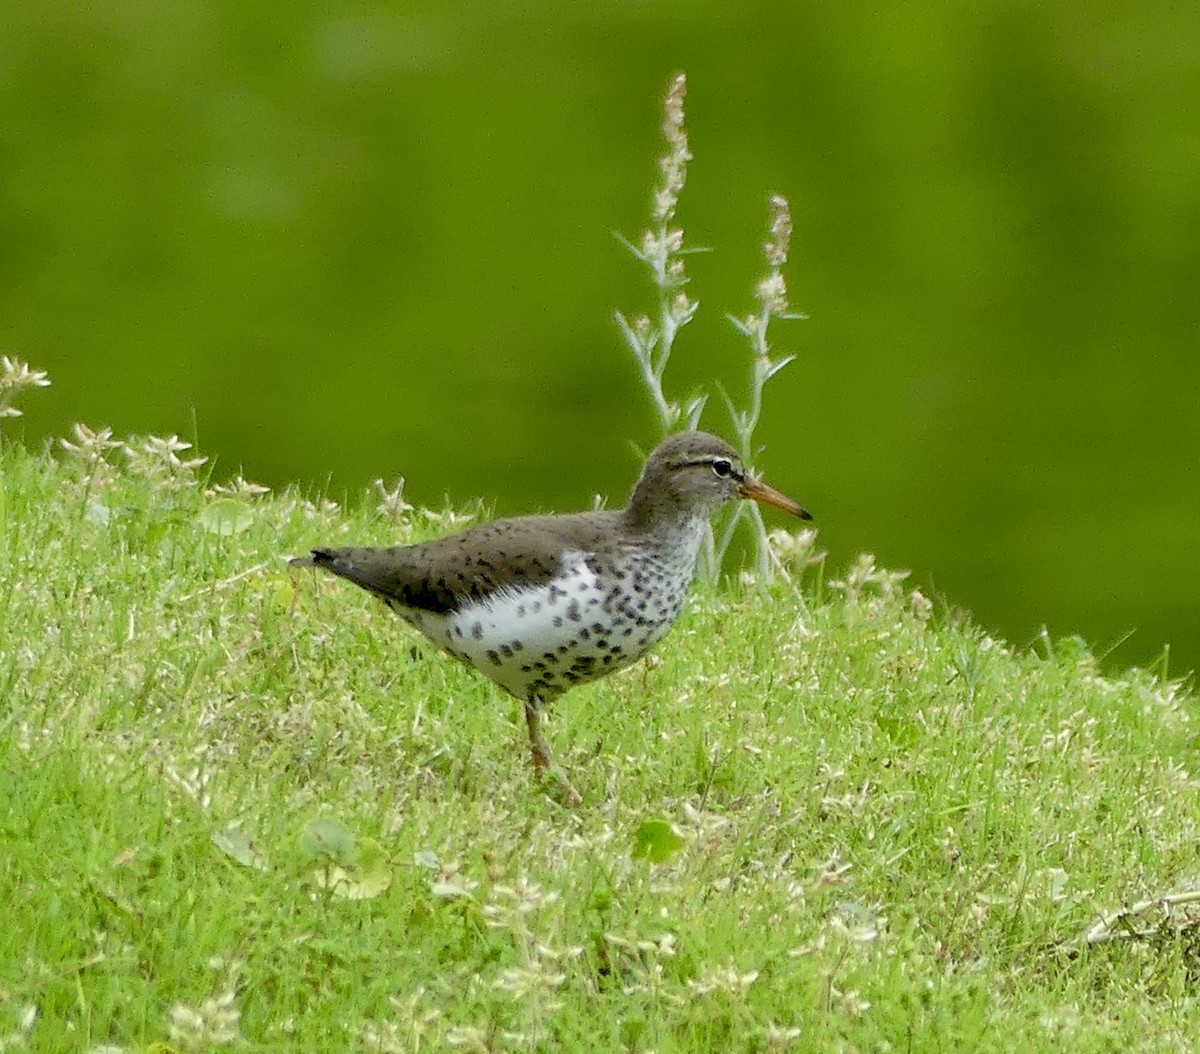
x=541, y=754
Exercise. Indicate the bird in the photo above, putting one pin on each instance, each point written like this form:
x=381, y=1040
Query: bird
x=539, y=604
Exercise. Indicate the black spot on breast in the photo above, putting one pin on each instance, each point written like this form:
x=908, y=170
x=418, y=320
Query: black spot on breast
x=477, y=631
x=494, y=657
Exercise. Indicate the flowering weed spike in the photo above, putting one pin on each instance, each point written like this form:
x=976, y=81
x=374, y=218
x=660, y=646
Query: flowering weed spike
x=771, y=293
x=90, y=444
x=91, y=447
x=213, y=1024
x=15, y=377
x=673, y=164
x=156, y=458
x=392, y=503
x=661, y=248
x=238, y=487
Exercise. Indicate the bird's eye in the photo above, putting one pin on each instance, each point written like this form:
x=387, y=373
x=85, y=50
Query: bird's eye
x=722, y=467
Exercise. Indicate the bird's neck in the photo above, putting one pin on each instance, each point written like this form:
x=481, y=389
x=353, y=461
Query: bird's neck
x=662, y=524
x=655, y=511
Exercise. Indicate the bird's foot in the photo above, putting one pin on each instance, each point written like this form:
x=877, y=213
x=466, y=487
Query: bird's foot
x=562, y=789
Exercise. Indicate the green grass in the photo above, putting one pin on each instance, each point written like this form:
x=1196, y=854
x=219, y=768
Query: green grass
x=891, y=830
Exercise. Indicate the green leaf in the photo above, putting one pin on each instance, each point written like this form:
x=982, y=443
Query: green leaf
x=656, y=840
x=225, y=516
x=239, y=845
x=330, y=841
x=362, y=881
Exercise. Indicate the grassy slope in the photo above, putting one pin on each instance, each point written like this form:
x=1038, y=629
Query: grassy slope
x=889, y=822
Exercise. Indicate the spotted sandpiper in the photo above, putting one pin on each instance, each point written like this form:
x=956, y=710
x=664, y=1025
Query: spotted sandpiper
x=539, y=604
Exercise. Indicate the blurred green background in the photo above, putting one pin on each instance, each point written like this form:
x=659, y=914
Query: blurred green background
x=346, y=241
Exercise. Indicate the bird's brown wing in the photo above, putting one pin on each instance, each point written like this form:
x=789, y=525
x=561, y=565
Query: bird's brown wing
x=440, y=575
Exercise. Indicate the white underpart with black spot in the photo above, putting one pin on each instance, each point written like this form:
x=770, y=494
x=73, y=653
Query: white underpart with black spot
x=538, y=641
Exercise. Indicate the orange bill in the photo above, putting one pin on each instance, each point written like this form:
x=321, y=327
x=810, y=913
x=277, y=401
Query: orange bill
x=753, y=488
